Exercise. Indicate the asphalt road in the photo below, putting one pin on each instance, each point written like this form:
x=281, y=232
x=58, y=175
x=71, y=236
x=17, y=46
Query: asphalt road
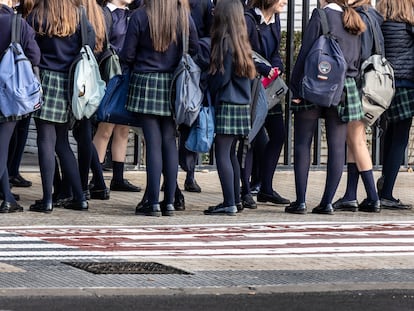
x=390, y=300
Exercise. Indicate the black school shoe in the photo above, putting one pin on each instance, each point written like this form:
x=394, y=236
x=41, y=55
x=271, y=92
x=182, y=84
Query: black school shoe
x=167, y=209
x=296, y=208
x=247, y=201
x=394, y=204
x=370, y=206
x=9, y=207
x=19, y=181
x=148, y=209
x=192, y=186
x=41, y=207
x=77, y=205
x=323, y=209
x=99, y=194
x=274, y=198
x=179, y=201
x=221, y=210
x=345, y=205
x=125, y=185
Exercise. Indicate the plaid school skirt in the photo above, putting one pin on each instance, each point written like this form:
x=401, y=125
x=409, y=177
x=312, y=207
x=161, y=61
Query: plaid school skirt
x=55, y=106
x=232, y=119
x=402, y=105
x=149, y=93
x=349, y=109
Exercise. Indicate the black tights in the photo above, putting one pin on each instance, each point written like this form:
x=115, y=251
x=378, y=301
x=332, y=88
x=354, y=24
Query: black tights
x=87, y=155
x=161, y=156
x=304, y=127
x=17, y=145
x=276, y=131
x=395, y=143
x=228, y=168
x=6, y=132
x=51, y=138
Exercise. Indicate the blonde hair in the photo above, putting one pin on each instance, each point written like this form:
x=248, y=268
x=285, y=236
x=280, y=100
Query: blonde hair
x=164, y=16
x=56, y=17
x=397, y=10
x=97, y=19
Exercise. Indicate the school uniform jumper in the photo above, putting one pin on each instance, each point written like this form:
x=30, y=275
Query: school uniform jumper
x=7, y=125
x=151, y=78
x=307, y=113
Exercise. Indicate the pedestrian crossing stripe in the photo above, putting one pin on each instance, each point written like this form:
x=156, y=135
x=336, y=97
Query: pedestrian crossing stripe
x=287, y=239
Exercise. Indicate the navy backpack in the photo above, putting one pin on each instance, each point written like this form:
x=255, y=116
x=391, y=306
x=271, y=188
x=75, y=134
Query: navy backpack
x=325, y=69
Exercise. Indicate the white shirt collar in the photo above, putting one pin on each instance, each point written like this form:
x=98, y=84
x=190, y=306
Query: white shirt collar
x=262, y=19
x=112, y=7
x=334, y=6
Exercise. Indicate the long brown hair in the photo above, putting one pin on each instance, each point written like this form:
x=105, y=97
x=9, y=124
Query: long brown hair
x=164, y=16
x=96, y=18
x=398, y=11
x=353, y=22
x=56, y=17
x=229, y=30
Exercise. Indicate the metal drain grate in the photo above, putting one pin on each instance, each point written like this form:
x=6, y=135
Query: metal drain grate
x=125, y=268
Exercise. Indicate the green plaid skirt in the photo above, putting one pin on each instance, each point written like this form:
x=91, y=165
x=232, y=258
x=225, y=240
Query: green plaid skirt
x=55, y=106
x=349, y=109
x=402, y=105
x=149, y=93
x=3, y=119
x=232, y=119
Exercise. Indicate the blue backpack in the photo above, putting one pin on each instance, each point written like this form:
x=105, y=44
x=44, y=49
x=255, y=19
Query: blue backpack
x=325, y=69
x=20, y=89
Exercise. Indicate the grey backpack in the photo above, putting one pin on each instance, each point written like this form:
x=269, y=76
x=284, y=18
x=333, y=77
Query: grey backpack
x=378, y=85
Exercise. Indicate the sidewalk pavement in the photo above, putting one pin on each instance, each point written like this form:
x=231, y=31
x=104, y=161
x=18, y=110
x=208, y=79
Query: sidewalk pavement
x=119, y=211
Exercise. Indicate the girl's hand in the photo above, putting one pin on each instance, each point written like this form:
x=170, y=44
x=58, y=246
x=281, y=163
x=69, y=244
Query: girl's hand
x=296, y=100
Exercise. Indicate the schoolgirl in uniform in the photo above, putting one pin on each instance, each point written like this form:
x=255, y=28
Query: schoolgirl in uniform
x=58, y=34
x=231, y=70
x=359, y=161
x=7, y=125
x=152, y=51
x=21, y=131
x=116, y=17
x=263, y=27
x=346, y=25
x=398, y=31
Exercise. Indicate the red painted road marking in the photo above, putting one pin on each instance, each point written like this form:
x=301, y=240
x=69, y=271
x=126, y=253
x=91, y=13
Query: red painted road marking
x=189, y=241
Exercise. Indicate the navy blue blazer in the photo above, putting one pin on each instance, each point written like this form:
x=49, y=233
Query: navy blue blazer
x=27, y=39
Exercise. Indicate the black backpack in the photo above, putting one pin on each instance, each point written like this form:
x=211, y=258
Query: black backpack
x=325, y=69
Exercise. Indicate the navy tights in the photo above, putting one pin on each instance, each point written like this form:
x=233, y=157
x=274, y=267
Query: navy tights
x=304, y=126
x=395, y=143
x=161, y=156
x=6, y=132
x=51, y=138
x=228, y=168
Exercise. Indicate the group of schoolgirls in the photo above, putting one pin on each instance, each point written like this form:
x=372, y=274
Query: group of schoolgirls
x=152, y=51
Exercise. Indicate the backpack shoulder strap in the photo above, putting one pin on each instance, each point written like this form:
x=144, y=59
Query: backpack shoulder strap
x=84, y=25
x=324, y=21
x=108, y=18
x=374, y=33
x=16, y=28
x=108, y=24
